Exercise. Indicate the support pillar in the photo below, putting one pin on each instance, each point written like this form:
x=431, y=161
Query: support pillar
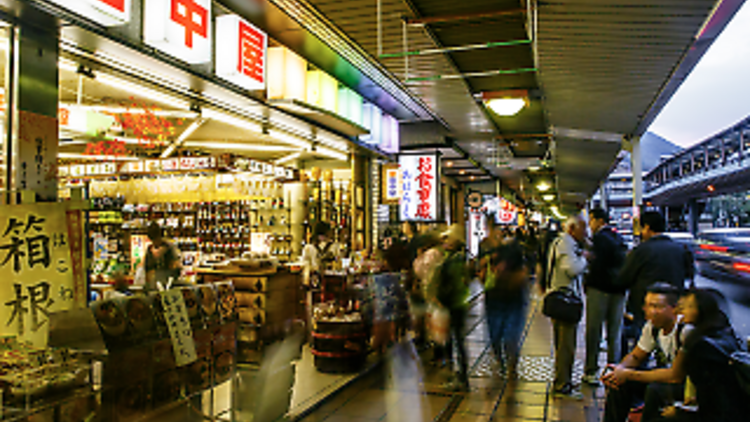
x=636, y=164
x=33, y=101
x=603, y=199
x=693, y=216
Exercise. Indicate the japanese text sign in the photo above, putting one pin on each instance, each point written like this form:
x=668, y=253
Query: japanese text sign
x=391, y=184
x=180, y=28
x=241, y=52
x=178, y=322
x=36, y=266
x=104, y=12
x=506, y=214
x=420, y=184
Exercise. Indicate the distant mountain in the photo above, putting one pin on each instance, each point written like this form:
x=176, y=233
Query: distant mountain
x=653, y=148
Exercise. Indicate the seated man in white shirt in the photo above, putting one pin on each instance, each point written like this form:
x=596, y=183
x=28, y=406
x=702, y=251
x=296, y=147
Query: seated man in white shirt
x=662, y=336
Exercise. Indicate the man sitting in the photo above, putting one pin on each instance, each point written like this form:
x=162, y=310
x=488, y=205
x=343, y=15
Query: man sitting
x=662, y=336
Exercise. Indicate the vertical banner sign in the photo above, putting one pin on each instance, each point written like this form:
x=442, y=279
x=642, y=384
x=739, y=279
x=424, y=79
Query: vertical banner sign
x=180, y=28
x=103, y=12
x=391, y=184
x=35, y=267
x=420, y=185
x=241, y=52
x=477, y=224
x=178, y=322
x=77, y=256
x=36, y=167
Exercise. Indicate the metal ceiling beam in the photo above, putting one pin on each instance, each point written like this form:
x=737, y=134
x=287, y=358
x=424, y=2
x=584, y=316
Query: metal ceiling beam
x=463, y=17
x=480, y=46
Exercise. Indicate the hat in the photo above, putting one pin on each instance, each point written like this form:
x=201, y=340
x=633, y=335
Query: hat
x=454, y=232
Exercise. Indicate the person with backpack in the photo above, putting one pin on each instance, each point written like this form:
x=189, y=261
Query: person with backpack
x=662, y=337
x=710, y=357
x=605, y=301
x=451, y=292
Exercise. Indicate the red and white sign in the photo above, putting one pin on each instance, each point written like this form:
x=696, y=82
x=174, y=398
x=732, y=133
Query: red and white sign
x=507, y=212
x=180, y=28
x=241, y=52
x=103, y=12
x=420, y=184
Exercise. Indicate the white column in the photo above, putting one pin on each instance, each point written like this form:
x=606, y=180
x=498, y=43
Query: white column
x=637, y=168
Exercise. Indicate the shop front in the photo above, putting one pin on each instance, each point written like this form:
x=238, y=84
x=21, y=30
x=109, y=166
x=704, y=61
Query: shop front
x=157, y=211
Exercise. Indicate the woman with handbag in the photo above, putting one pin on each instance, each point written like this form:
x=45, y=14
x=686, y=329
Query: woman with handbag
x=564, y=304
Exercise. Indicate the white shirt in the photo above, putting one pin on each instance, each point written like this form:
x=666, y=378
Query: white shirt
x=569, y=264
x=312, y=259
x=668, y=342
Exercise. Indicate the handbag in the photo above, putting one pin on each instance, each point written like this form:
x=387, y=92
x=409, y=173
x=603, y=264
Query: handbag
x=563, y=305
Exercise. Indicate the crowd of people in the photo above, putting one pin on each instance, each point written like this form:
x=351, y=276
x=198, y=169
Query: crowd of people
x=669, y=346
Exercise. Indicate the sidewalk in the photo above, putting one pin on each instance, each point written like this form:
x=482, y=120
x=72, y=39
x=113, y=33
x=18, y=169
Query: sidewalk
x=404, y=390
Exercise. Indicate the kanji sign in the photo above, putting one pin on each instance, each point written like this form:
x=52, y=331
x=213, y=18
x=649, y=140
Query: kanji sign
x=178, y=323
x=37, y=269
x=104, y=12
x=241, y=52
x=506, y=214
x=37, y=154
x=420, y=186
x=180, y=28
x=391, y=184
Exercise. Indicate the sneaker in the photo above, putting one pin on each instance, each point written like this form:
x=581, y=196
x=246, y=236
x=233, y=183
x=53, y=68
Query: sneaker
x=568, y=392
x=591, y=379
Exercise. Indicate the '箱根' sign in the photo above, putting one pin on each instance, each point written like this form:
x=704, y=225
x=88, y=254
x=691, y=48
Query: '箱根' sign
x=241, y=52
x=180, y=28
x=104, y=12
x=420, y=183
x=37, y=269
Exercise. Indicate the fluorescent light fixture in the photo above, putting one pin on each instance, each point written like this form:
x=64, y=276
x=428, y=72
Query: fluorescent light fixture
x=231, y=120
x=289, y=139
x=127, y=110
x=77, y=156
x=290, y=157
x=332, y=141
x=543, y=187
x=237, y=146
x=68, y=65
x=331, y=153
x=534, y=168
x=142, y=91
x=183, y=136
x=506, y=106
x=548, y=197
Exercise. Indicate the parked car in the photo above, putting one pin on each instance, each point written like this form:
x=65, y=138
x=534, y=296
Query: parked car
x=725, y=252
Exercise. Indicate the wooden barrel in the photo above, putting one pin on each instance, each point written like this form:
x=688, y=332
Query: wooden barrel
x=339, y=346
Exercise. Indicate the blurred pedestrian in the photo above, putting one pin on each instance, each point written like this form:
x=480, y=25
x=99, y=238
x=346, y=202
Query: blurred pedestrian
x=389, y=295
x=605, y=301
x=566, y=266
x=429, y=256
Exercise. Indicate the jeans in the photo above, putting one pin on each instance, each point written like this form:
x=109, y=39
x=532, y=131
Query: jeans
x=505, y=321
x=565, y=349
x=608, y=309
x=655, y=395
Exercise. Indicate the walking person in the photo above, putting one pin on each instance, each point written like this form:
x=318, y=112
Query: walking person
x=605, y=301
x=566, y=266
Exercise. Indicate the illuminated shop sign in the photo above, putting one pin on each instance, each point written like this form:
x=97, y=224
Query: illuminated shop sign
x=420, y=183
x=391, y=184
x=241, y=52
x=180, y=28
x=104, y=12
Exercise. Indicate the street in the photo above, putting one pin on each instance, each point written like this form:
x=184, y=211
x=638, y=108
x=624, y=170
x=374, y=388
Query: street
x=737, y=295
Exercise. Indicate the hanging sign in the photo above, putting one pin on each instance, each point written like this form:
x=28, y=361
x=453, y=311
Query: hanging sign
x=241, y=52
x=391, y=184
x=178, y=322
x=103, y=12
x=36, y=266
x=420, y=183
x=475, y=200
x=180, y=28
x=507, y=212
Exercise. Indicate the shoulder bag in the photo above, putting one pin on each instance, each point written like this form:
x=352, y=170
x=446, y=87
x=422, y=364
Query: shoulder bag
x=561, y=304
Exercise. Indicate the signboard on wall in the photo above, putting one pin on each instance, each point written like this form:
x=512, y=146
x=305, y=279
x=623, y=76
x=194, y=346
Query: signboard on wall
x=36, y=265
x=420, y=185
x=104, y=12
x=241, y=52
x=391, y=184
x=180, y=28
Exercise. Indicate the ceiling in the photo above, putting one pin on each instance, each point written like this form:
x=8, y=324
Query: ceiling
x=594, y=72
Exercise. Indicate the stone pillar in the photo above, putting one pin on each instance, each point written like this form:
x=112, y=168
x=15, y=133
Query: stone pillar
x=33, y=100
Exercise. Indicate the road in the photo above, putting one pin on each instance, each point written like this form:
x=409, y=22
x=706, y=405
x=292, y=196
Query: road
x=737, y=295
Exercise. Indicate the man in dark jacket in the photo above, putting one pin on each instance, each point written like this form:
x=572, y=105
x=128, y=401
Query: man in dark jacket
x=658, y=258
x=605, y=301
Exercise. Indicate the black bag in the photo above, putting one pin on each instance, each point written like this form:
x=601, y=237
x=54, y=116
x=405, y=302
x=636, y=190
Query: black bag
x=563, y=305
x=741, y=362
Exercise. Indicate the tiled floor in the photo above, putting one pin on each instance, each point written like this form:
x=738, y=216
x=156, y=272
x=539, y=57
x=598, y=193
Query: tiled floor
x=405, y=390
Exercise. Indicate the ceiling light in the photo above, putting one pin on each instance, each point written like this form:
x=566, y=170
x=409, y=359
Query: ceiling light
x=543, y=187
x=462, y=172
x=449, y=163
x=141, y=91
x=331, y=153
x=237, y=146
x=534, y=168
x=231, y=120
x=506, y=106
x=473, y=178
x=548, y=197
x=290, y=157
x=289, y=139
x=179, y=114
x=332, y=141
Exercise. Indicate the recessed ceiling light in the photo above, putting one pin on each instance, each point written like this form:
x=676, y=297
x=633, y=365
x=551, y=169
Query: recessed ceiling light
x=462, y=172
x=548, y=198
x=506, y=106
x=543, y=186
x=449, y=163
x=534, y=168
